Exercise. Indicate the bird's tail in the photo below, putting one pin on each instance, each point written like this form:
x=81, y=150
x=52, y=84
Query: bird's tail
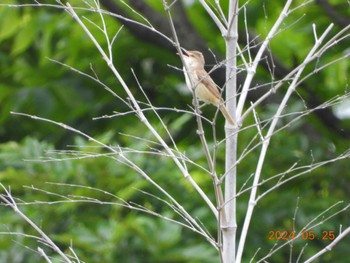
x=227, y=115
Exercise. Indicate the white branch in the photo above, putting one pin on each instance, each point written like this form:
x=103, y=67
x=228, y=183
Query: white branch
x=330, y=246
x=8, y=199
x=252, y=69
x=276, y=117
x=213, y=17
x=139, y=112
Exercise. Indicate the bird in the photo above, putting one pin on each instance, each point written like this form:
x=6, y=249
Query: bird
x=199, y=81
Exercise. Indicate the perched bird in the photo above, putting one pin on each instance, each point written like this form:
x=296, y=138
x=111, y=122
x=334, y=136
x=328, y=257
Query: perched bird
x=202, y=84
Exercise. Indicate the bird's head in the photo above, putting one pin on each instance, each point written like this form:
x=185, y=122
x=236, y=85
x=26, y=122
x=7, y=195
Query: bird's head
x=194, y=59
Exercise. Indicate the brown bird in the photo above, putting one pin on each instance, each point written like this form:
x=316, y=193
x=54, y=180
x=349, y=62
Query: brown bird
x=202, y=84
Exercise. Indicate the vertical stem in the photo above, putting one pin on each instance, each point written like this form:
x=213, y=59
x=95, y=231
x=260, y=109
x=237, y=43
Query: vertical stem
x=266, y=142
x=229, y=223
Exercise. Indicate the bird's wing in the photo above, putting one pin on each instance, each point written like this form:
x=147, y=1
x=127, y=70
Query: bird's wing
x=204, y=77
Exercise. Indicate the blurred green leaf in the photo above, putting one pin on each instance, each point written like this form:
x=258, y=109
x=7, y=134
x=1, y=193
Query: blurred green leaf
x=10, y=22
x=25, y=36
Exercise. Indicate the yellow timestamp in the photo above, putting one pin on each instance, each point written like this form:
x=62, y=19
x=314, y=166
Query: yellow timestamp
x=305, y=235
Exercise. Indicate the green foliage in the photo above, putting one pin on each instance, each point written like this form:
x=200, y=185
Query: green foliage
x=101, y=230
x=97, y=224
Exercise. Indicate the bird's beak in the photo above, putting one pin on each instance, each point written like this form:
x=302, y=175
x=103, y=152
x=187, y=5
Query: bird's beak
x=184, y=53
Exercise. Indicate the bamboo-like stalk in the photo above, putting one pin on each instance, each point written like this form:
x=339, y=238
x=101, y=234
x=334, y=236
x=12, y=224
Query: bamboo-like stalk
x=230, y=227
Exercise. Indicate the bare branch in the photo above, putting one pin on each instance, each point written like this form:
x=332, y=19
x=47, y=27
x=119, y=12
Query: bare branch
x=330, y=246
x=8, y=199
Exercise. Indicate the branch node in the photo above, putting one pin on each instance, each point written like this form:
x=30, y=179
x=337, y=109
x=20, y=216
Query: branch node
x=200, y=133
